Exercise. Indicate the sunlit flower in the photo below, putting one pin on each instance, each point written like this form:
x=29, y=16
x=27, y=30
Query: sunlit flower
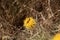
x=57, y=37
x=29, y=23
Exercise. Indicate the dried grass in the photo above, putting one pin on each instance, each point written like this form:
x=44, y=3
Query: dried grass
x=13, y=12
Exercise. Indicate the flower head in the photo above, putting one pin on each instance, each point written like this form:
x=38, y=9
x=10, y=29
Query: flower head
x=29, y=22
x=57, y=37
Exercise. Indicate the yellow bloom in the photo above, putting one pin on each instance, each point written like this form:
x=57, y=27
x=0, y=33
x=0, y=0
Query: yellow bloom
x=57, y=36
x=29, y=23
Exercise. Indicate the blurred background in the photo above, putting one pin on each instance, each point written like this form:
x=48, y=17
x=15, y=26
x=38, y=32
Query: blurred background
x=13, y=12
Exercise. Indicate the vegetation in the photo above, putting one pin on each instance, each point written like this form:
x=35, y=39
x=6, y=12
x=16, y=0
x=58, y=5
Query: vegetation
x=43, y=16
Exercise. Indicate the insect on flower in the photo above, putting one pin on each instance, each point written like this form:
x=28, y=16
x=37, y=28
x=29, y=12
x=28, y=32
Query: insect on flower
x=29, y=23
x=57, y=37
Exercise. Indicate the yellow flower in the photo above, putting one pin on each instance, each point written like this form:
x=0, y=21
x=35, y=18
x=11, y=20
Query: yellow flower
x=57, y=36
x=29, y=23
